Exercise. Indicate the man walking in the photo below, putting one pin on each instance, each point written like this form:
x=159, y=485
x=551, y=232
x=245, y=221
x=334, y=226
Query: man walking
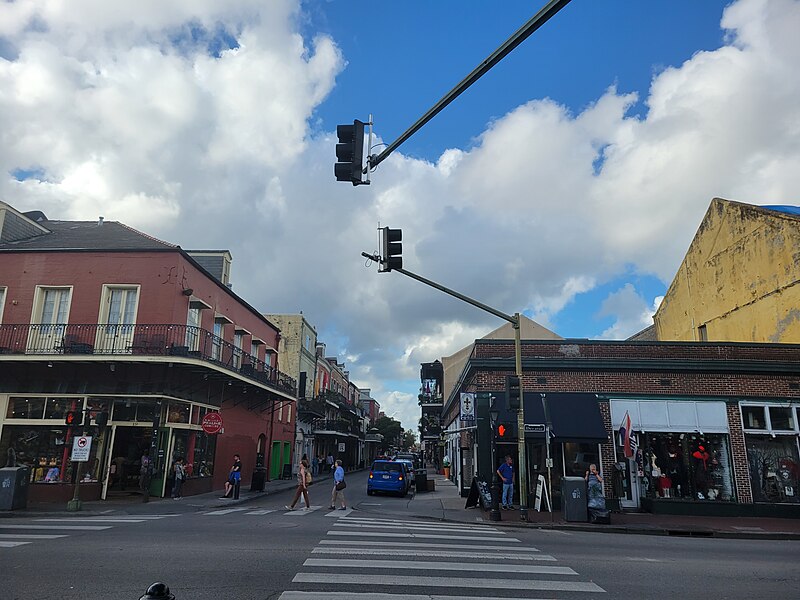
x=506, y=473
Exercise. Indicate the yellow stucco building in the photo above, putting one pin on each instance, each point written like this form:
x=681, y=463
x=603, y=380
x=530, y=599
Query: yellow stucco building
x=739, y=280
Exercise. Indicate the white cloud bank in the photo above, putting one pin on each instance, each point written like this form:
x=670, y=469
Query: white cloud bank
x=191, y=122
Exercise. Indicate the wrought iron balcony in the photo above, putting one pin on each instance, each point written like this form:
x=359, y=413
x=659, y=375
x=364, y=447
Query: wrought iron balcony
x=140, y=340
x=337, y=425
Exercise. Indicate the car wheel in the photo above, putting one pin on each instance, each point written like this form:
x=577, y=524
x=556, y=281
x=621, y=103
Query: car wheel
x=370, y=492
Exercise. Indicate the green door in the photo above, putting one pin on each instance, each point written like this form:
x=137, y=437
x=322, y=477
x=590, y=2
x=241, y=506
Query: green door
x=275, y=461
x=287, y=454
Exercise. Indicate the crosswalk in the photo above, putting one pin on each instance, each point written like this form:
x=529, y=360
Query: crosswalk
x=396, y=559
x=298, y=512
x=13, y=535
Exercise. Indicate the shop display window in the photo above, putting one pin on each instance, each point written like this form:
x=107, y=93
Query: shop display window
x=25, y=408
x=46, y=450
x=56, y=408
x=178, y=412
x=753, y=417
x=686, y=465
x=774, y=468
x=197, y=450
x=578, y=457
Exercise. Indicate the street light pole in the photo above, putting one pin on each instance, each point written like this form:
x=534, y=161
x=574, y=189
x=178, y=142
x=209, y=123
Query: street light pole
x=494, y=513
x=522, y=460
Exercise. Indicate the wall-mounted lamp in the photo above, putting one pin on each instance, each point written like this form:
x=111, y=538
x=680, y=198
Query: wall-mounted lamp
x=187, y=292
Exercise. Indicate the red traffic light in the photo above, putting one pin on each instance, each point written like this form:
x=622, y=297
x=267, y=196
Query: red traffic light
x=73, y=418
x=501, y=430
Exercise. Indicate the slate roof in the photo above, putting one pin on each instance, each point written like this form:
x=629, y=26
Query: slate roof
x=87, y=235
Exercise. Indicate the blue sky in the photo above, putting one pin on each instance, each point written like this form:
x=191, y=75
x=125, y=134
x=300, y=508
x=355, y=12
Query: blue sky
x=567, y=183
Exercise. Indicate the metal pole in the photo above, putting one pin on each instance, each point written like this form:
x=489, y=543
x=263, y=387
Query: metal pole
x=548, y=426
x=523, y=458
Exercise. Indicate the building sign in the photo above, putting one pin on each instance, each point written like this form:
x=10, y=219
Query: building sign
x=212, y=423
x=535, y=427
x=467, y=406
x=81, y=447
x=341, y=446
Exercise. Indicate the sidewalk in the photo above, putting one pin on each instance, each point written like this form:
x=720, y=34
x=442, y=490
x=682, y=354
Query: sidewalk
x=446, y=504
x=133, y=505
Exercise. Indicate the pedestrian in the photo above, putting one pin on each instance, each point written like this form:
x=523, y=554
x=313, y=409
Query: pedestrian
x=594, y=486
x=315, y=466
x=506, y=473
x=180, y=475
x=234, y=476
x=119, y=465
x=338, y=487
x=329, y=462
x=303, y=477
x=144, y=466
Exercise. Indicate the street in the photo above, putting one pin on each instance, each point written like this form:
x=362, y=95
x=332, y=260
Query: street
x=372, y=550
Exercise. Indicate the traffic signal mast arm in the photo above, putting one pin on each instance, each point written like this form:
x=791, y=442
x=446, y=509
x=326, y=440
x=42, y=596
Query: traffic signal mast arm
x=515, y=40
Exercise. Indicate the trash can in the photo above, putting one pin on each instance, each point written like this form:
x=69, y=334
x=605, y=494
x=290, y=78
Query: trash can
x=13, y=488
x=422, y=480
x=258, y=480
x=573, y=499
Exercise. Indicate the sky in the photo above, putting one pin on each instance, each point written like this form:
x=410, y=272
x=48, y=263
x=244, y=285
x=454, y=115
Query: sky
x=566, y=184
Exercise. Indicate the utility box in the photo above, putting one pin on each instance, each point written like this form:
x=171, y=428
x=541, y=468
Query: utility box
x=573, y=499
x=14, y=488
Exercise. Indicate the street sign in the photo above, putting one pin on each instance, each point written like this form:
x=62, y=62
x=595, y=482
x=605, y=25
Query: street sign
x=81, y=447
x=341, y=446
x=212, y=423
x=535, y=427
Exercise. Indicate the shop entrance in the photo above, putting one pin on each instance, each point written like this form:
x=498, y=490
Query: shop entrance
x=124, y=460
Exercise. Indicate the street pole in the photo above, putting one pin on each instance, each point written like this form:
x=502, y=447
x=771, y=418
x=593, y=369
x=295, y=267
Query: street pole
x=547, y=429
x=523, y=458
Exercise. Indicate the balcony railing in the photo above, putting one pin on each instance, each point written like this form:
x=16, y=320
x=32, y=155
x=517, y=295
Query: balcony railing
x=139, y=340
x=338, y=425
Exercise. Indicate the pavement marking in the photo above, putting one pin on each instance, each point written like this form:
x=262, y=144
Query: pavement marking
x=749, y=528
x=448, y=582
x=90, y=520
x=430, y=527
x=370, y=504
x=301, y=512
x=410, y=523
x=424, y=565
x=394, y=544
x=30, y=536
x=437, y=553
x=225, y=511
x=12, y=544
x=374, y=596
x=423, y=536
x=260, y=512
x=59, y=527
x=339, y=513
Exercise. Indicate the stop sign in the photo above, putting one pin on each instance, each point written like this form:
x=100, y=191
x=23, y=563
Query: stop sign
x=212, y=423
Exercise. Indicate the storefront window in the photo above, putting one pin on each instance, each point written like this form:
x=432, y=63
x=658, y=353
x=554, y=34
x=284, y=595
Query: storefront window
x=774, y=468
x=683, y=465
x=197, y=450
x=145, y=411
x=55, y=408
x=124, y=410
x=781, y=418
x=578, y=457
x=25, y=408
x=753, y=417
x=178, y=412
x=46, y=450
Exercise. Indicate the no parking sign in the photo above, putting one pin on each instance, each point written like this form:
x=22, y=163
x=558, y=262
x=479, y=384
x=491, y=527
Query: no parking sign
x=81, y=447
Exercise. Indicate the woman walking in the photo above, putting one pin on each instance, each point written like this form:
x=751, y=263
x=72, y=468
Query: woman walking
x=338, y=487
x=303, y=479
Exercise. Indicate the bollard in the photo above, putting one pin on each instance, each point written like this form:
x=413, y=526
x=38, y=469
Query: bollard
x=158, y=591
x=236, y=489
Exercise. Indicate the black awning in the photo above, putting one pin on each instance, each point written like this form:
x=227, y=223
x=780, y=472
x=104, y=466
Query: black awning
x=575, y=417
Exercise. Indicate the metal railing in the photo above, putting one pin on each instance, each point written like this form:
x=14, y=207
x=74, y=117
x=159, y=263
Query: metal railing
x=338, y=425
x=139, y=340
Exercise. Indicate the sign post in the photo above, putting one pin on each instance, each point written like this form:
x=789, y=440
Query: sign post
x=81, y=448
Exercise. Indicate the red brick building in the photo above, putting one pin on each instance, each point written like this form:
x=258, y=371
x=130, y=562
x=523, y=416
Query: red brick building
x=714, y=425
x=99, y=318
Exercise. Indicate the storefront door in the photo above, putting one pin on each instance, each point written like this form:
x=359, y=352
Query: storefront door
x=626, y=483
x=275, y=461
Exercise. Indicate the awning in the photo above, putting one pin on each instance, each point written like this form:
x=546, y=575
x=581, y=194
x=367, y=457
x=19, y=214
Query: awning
x=575, y=417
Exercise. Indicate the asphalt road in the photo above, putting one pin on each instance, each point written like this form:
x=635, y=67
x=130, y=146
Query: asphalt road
x=259, y=551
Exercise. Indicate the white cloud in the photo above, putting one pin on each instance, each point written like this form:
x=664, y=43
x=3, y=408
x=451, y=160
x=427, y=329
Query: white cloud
x=131, y=114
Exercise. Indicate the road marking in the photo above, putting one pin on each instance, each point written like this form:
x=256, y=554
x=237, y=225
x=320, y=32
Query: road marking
x=439, y=553
x=153, y=517
x=417, y=527
x=394, y=544
x=59, y=527
x=370, y=504
x=349, y=563
x=260, y=512
x=301, y=512
x=434, y=523
x=374, y=596
x=749, y=528
x=642, y=559
x=339, y=513
x=12, y=544
x=90, y=520
x=30, y=536
x=224, y=511
x=424, y=536
x=448, y=582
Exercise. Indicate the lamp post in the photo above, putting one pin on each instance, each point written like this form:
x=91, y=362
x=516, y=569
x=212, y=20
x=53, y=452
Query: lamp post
x=494, y=413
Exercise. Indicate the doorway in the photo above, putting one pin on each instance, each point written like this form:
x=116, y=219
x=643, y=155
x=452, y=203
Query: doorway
x=275, y=461
x=129, y=443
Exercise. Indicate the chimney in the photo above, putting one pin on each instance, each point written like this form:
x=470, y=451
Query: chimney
x=99, y=221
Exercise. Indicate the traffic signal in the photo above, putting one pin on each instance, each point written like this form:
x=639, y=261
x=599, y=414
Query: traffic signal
x=73, y=418
x=350, y=153
x=391, y=249
x=513, y=392
x=501, y=431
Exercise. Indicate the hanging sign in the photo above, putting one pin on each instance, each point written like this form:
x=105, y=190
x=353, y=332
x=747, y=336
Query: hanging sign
x=467, y=406
x=212, y=423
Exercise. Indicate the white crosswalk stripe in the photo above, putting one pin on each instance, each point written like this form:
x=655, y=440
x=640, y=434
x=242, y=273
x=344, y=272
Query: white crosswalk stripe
x=338, y=514
x=67, y=524
x=301, y=512
x=260, y=512
x=225, y=511
x=446, y=561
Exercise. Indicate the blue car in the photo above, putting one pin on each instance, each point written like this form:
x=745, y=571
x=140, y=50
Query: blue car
x=387, y=476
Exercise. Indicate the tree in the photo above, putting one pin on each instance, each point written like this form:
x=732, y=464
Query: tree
x=409, y=440
x=391, y=431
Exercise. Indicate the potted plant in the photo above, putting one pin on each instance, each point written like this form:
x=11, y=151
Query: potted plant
x=446, y=467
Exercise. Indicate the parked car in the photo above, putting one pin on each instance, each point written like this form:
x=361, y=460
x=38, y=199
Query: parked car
x=410, y=468
x=414, y=458
x=388, y=476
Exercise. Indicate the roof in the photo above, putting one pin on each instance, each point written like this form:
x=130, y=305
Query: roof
x=87, y=235
x=648, y=334
x=784, y=208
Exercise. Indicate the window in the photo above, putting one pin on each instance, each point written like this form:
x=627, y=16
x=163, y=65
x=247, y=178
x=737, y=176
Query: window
x=289, y=413
x=50, y=316
x=702, y=333
x=781, y=418
x=25, y=408
x=216, y=341
x=254, y=350
x=118, y=313
x=2, y=302
x=237, y=350
x=193, y=329
x=753, y=417
x=178, y=412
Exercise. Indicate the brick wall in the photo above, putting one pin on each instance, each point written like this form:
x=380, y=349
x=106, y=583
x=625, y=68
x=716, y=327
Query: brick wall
x=741, y=468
